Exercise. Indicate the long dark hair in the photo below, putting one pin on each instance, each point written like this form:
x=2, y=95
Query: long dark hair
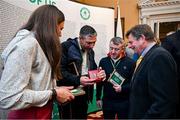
x=44, y=21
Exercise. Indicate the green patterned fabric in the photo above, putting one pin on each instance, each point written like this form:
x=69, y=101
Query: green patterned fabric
x=55, y=114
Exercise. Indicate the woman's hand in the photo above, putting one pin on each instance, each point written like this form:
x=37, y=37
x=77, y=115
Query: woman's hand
x=64, y=94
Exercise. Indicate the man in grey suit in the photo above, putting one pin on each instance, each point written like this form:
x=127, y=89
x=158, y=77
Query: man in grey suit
x=154, y=90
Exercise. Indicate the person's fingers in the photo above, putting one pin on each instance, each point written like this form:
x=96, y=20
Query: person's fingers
x=91, y=80
x=91, y=83
x=71, y=97
x=68, y=87
x=101, y=74
x=99, y=68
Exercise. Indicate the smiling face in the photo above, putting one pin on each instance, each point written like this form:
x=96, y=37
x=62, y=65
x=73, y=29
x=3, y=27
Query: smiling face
x=137, y=45
x=115, y=50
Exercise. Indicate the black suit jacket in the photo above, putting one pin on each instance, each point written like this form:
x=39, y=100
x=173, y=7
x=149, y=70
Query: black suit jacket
x=154, y=86
x=172, y=44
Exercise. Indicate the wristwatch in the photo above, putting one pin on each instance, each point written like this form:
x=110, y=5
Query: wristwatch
x=54, y=94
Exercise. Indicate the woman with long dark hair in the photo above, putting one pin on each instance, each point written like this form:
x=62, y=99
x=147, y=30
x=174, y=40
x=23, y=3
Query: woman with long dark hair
x=31, y=67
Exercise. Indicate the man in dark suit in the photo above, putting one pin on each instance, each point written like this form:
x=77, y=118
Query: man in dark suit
x=172, y=44
x=154, y=90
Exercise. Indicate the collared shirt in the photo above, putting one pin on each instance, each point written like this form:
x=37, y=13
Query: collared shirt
x=84, y=64
x=143, y=54
x=115, y=60
x=147, y=48
x=84, y=58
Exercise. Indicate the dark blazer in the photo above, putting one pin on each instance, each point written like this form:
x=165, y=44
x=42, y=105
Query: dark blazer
x=154, y=86
x=172, y=44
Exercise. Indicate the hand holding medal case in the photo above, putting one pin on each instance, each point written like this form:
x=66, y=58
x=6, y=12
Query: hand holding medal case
x=93, y=75
x=79, y=90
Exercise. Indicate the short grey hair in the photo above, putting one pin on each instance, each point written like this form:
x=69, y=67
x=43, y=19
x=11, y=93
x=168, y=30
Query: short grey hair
x=117, y=40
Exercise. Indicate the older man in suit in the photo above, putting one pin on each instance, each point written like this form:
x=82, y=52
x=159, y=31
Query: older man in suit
x=154, y=90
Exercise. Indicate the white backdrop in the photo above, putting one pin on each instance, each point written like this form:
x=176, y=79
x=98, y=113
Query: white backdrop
x=14, y=13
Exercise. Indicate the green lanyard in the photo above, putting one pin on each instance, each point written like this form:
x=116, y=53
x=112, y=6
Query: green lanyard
x=113, y=64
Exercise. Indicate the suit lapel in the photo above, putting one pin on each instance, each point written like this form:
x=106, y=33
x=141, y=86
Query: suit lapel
x=143, y=62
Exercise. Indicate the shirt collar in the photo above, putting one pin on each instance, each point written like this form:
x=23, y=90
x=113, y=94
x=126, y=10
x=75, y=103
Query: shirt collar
x=115, y=60
x=82, y=50
x=147, y=48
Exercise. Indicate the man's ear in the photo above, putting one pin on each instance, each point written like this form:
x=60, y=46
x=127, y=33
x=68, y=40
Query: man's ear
x=80, y=39
x=143, y=37
x=122, y=52
x=143, y=40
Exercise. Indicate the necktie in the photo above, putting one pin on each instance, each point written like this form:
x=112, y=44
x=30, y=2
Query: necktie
x=138, y=62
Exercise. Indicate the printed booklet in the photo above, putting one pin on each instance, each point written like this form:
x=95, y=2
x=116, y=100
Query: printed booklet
x=115, y=78
x=78, y=91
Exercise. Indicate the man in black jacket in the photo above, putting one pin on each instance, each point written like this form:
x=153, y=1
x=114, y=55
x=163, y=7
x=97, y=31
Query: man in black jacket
x=78, y=53
x=115, y=97
x=154, y=90
x=172, y=44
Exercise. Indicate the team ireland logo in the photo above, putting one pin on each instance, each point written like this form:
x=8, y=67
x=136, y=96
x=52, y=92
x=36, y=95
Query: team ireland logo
x=85, y=13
